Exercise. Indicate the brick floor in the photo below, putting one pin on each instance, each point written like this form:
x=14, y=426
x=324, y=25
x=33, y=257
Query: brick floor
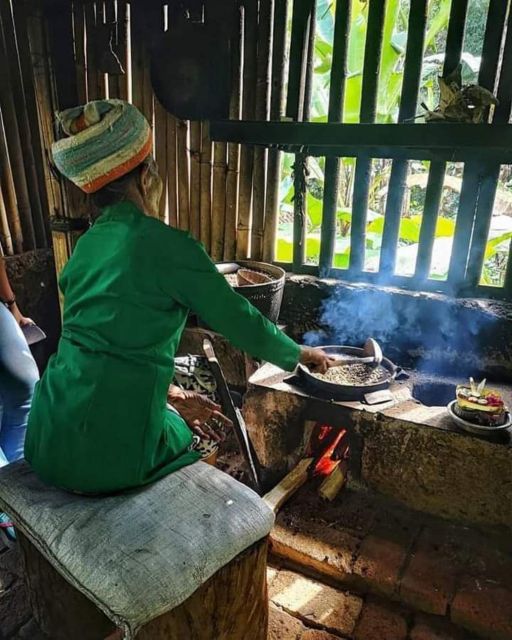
x=428, y=628
x=315, y=603
x=380, y=622
x=283, y=626
x=484, y=607
x=379, y=562
x=429, y=580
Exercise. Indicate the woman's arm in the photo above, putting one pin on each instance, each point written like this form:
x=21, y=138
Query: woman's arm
x=194, y=281
x=8, y=298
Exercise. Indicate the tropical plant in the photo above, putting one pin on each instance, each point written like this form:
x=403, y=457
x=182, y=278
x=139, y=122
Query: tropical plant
x=388, y=101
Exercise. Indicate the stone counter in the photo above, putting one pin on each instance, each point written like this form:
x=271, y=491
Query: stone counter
x=403, y=449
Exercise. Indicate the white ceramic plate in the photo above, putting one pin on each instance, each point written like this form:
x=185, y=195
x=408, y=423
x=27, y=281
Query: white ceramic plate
x=476, y=428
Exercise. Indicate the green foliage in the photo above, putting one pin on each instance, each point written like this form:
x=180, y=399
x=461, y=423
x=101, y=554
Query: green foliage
x=388, y=102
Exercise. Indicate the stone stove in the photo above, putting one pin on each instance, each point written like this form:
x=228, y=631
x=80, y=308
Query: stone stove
x=404, y=448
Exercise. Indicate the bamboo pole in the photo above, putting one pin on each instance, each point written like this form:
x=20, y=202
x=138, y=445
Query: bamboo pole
x=471, y=179
x=161, y=152
x=433, y=196
x=332, y=164
x=58, y=28
x=490, y=173
x=172, y=171
x=206, y=187
x=122, y=46
x=372, y=57
x=9, y=195
x=110, y=18
x=233, y=168
x=248, y=113
x=93, y=92
x=183, y=174
x=19, y=102
x=400, y=168
x=33, y=124
x=5, y=233
x=276, y=112
x=306, y=40
x=195, y=179
x=42, y=87
x=80, y=57
x=218, y=199
x=14, y=152
x=137, y=51
x=265, y=24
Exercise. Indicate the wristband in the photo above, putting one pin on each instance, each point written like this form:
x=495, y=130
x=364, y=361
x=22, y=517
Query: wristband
x=9, y=303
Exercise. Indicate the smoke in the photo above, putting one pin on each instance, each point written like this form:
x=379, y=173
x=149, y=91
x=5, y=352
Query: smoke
x=426, y=331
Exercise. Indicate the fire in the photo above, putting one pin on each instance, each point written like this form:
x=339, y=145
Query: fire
x=328, y=445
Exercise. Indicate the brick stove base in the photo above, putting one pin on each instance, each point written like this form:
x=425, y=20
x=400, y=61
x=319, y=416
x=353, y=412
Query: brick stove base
x=402, y=448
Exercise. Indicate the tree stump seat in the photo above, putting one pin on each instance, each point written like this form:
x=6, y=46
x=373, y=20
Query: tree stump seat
x=184, y=558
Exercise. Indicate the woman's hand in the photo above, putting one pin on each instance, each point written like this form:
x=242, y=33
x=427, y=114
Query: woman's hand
x=316, y=359
x=20, y=319
x=199, y=412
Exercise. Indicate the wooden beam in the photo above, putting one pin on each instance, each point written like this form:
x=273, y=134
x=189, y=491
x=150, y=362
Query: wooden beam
x=340, y=139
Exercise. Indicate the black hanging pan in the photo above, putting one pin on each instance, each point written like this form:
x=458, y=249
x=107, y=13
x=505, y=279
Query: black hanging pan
x=347, y=391
x=191, y=62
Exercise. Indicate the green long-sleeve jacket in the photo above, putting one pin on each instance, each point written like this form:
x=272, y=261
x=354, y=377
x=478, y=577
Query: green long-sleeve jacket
x=99, y=421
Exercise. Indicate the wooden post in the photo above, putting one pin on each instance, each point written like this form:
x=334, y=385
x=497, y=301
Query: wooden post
x=172, y=171
x=183, y=174
x=248, y=113
x=332, y=164
x=276, y=112
x=233, y=168
x=80, y=54
x=232, y=604
x=372, y=55
x=262, y=104
x=160, y=135
x=408, y=102
x=195, y=179
x=429, y=220
x=206, y=187
x=218, y=200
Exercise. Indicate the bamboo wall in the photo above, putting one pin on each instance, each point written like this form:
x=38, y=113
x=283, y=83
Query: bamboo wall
x=28, y=193
x=226, y=193
x=215, y=190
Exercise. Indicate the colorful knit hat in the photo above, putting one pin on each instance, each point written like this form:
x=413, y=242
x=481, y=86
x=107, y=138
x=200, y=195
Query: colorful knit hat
x=107, y=139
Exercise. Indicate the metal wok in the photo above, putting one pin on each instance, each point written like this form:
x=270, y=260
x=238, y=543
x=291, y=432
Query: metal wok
x=346, y=391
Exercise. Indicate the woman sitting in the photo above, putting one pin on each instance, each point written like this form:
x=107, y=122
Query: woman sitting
x=99, y=421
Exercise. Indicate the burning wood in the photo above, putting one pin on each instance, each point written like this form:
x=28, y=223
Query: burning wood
x=326, y=450
x=333, y=483
x=288, y=485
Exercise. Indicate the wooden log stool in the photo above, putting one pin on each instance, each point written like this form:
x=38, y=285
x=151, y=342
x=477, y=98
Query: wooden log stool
x=181, y=559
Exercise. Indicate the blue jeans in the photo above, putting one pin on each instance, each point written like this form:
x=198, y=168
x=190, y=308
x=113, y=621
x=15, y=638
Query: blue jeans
x=18, y=377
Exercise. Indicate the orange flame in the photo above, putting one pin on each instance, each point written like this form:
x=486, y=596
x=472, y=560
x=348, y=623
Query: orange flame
x=324, y=443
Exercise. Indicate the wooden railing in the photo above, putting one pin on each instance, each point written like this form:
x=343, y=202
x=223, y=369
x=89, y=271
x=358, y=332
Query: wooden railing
x=482, y=148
